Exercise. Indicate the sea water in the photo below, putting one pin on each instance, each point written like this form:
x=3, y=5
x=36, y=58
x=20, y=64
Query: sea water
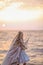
x=34, y=46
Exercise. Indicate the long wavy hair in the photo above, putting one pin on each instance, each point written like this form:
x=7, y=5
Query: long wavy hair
x=20, y=36
x=18, y=40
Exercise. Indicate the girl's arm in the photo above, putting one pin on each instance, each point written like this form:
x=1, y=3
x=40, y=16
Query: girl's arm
x=26, y=41
x=23, y=45
x=27, y=38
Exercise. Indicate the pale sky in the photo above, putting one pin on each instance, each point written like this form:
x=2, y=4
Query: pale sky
x=21, y=15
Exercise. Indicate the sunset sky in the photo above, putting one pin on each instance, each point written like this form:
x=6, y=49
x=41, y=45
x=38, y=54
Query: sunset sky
x=21, y=15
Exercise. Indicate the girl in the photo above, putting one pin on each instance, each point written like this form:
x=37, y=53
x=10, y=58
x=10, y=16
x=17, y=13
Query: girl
x=16, y=54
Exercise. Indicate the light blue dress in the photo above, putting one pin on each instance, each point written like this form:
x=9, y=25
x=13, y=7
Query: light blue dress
x=15, y=55
x=23, y=58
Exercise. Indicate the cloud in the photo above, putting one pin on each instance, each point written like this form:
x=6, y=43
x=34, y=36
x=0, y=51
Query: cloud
x=23, y=18
x=25, y=3
x=31, y=2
